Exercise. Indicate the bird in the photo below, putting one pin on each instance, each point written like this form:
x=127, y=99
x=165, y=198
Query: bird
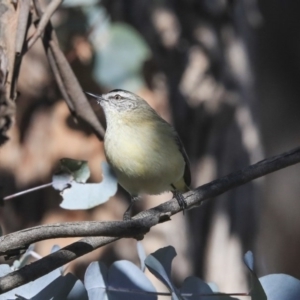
x=144, y=151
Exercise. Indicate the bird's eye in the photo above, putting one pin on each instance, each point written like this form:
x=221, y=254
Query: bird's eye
x=117, y=97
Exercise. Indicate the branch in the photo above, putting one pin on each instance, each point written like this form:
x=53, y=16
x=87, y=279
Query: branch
x=23, y=18
x=66, y=80
x=22, y=25
x=51, y=8
x=154, y=215
x=74, y=90
x=12, y=243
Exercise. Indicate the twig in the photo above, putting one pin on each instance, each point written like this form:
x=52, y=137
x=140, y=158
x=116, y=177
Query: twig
x=193, y=198
x=49, y=32
x=71, y=84
x=59, y=81
x=27, y=191
x=66, y=80
x=51, y=8
x=22, y=25
x=19, y=46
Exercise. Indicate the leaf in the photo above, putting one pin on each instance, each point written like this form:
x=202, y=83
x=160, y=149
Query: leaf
x=281, y=287
x=257, y=291
x=89, y=195
x=79, y=169
x=213, y=286
x=141, y=254
x=24, y=258
x=63, y=287
x=131, y=280
x=95, y=281
x=196, y=289
x=118, y=62
x=249, y=261
x=54, y=248
x=123, y=280
x=4, y=270
x=70, y=170
x=30, y=289
x=73, y=289
x=61, y=181
x=159, y=264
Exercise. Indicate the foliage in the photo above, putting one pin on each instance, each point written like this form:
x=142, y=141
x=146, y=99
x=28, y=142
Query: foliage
x=124, y=280
x=77, y=194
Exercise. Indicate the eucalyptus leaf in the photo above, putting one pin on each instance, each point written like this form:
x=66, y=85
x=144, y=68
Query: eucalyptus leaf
x=61, y=181
x=142, y=255
x=24, y=258
x=79, y=169
x=119, y=60
x=257, y=292
x=4, y=270
x=68, y=171
x=194, y=288
x=54, y=248
x=95, y=281
x=281, y=287
x=159, y=264
x=64, y=287
x=89, y=195
x=30, y=289
x=123, y=280
x=131, y=281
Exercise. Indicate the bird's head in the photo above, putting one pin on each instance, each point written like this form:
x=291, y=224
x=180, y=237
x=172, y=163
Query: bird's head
x=118, y=101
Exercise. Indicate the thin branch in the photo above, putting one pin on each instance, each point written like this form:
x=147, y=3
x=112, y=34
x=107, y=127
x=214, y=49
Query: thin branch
x=193, y=198
x=22, y=25
x=51, y=8
x=59, y=82
x=27, y=191
x=66, y=80
x=49, y=32
x=22, y=28
x=74, y=90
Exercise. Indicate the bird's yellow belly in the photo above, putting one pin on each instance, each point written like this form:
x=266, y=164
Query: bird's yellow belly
x=143, y=163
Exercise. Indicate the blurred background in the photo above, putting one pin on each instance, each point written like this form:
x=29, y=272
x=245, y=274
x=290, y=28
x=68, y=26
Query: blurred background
x=225, y=73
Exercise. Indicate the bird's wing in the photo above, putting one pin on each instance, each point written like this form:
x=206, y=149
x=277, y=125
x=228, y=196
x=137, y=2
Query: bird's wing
x=187, y=171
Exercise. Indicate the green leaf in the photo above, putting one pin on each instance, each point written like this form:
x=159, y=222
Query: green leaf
x=79, y=169
x=70, y=170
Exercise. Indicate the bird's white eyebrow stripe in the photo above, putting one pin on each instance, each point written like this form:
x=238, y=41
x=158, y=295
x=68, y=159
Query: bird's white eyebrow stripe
x=121, y=93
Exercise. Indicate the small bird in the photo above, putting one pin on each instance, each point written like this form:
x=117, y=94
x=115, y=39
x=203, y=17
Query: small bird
x=144, y=150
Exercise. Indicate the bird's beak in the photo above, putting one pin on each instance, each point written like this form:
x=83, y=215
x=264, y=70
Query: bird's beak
x=98, y=98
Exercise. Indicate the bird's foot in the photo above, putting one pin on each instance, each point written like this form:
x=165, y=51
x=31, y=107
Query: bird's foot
x=180, y=199
x=127, y=213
